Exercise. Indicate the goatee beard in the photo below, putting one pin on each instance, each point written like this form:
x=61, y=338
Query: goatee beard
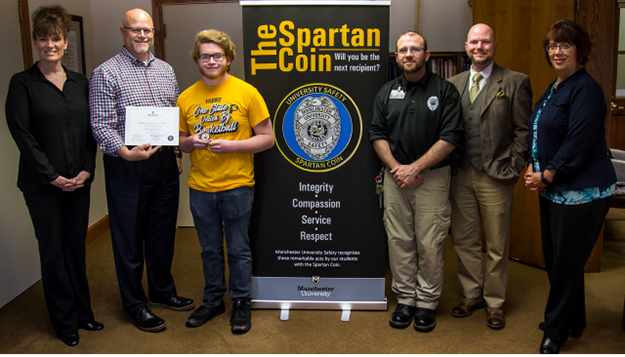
x=142, y=51
x=416, y=68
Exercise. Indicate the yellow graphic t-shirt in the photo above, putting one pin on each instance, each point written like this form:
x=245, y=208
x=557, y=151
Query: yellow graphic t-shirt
x=228, y=111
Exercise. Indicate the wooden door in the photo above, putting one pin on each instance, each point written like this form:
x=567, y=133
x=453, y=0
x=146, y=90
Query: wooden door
x=601, y=19
x=616, y=138
x=520, y=27
x=616, y=123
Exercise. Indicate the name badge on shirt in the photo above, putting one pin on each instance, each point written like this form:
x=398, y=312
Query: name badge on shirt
x=397, y=94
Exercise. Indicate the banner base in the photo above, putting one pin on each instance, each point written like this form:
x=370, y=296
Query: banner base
x=318, y=305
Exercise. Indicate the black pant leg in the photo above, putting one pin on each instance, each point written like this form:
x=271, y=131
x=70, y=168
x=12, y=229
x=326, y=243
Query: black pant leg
x=122, y=195
x=569, y=236
x=161, y=232
x=143, y=210
x=76, y=205
x=61, y=251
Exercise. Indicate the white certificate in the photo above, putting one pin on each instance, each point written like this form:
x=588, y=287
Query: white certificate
x=153, y=125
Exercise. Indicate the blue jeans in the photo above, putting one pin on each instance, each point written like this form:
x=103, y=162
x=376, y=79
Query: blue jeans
x=216, y=214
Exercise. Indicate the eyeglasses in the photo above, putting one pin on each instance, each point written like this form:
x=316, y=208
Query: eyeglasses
x=563, y=47
x=218, y=57
x=413, y=50
x=137, y=31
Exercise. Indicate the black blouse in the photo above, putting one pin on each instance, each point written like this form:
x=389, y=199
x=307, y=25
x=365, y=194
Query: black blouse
x=50, y=127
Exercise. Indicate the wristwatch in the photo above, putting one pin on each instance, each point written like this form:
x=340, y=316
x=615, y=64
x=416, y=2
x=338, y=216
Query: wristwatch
x=543, y=179
x=177, y=152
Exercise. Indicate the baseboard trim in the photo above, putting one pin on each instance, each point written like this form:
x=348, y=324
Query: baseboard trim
x=97, y=229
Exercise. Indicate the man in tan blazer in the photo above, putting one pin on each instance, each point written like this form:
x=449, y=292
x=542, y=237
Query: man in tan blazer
x=496, y=103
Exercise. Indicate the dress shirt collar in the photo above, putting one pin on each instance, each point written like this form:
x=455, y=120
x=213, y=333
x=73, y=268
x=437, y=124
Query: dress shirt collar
x=485, y=73
x=37, y=74
x=126, y=54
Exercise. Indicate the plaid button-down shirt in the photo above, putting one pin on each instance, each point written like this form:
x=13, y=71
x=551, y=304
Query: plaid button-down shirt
x=124, y=81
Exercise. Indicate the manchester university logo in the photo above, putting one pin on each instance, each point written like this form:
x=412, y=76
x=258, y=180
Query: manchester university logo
x=315, y=280
x=318, y=127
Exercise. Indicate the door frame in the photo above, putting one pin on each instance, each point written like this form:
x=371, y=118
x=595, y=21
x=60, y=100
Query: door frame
x=27, y=46
x=160, y=31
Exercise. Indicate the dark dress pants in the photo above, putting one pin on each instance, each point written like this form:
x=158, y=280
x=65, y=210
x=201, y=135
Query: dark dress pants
x=142, y=200
x=569, y=234
x=61, y=220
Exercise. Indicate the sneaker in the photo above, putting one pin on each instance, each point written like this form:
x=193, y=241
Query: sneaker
x=241, y=320
x=424, y=320
x=204, y=314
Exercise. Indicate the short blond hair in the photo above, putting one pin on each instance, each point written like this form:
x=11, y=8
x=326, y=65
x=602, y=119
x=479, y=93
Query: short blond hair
x=213, y=36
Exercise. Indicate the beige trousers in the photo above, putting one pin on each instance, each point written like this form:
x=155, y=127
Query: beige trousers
x=476, y=197
x=417, y=221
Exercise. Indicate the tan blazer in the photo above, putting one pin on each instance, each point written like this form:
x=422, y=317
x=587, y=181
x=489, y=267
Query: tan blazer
x=506, y=108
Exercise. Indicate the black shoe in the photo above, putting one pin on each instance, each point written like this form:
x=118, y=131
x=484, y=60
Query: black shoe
x=549, y=346
x=176, y=303
x=241, y=320
x=204, y=314
x=402, y=316
x=92, y=326
x=424, y=320
x=575, y=333
x=145, y=320
x=70, y=340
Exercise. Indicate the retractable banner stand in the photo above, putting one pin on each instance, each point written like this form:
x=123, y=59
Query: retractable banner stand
x=317, y=234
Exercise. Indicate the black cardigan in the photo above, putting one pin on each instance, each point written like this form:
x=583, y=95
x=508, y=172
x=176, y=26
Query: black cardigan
x=571, y=134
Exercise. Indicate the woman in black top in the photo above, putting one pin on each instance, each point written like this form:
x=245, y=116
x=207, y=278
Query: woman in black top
x=570, y=167
x=47, y=111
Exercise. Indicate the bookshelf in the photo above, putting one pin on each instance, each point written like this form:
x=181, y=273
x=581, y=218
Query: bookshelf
x=444, y=64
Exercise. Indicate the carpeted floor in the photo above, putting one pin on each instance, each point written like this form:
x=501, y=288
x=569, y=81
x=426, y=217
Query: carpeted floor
x=25, y=327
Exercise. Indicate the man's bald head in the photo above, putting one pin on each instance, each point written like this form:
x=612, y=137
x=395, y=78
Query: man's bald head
x=481, y=46
x=135, y=15
x=138, y=33
x=482, y=29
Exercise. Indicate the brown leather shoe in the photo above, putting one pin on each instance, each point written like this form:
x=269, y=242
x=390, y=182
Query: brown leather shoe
x=495, y=318
x=467, y=306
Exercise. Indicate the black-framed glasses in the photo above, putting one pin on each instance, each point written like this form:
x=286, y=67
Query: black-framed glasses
x=218, y=57
x=563, y=47
x=137, y=31
x=413, y=50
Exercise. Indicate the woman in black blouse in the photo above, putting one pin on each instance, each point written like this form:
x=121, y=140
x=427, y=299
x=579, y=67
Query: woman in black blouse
x=47, y=111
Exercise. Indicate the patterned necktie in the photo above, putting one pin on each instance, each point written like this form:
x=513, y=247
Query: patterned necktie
x=475, y=88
